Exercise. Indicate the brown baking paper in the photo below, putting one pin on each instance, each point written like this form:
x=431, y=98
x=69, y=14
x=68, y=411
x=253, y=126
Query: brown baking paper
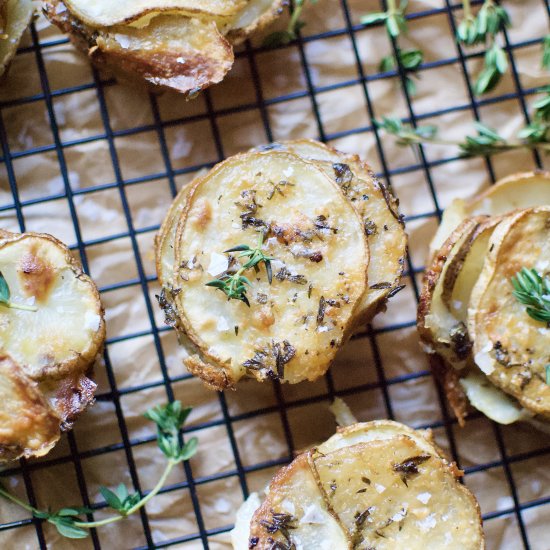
x=132, y=348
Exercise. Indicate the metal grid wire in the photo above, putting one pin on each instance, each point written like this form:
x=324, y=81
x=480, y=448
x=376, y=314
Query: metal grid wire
x=283, y=405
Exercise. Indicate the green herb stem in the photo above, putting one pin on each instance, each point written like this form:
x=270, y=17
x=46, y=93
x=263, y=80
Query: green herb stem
x=467, y=8
x=15, y=500
x=90, y=524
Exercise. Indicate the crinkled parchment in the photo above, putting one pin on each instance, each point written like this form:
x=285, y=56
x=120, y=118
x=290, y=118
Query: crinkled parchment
x=132, y=349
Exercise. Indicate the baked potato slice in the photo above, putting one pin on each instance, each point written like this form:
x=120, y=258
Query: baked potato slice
x=440, y=331
x=294, y=512
x=291, y=211
x=509, y=346
x=254, y=17
x=66, y=331
x=378, y=209
x=105, y=13
x=15, y=18
x=523, y=190
x=28, y=427
x=391, y=489
x=173, y=51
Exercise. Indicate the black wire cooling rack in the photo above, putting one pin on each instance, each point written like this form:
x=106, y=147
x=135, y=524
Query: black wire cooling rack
x=385, y=379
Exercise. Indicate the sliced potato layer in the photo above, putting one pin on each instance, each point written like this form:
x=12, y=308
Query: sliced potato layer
x=511, y=347
x=51, y=331
x=15, y=18
x=28, y=427
x=522, y=190
x=174, y=44
x=294, y=326
x=377, y=208
x=67, y=330
x=382, y=486
x=105, y=13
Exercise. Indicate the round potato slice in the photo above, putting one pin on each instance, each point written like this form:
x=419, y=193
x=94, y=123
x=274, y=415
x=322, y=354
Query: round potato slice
x=376, y=206
x=173, y=51
x=523, y=190
x=28, y=427
x=253, y=18
x=105, y=13
x=390, y=490
x=511, y=347
x=291, y=211
x=16, y=16
x=64, y=330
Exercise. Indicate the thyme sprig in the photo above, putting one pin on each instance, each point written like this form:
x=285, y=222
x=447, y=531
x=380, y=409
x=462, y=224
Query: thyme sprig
x=545, y=63
x=233, y=285
x=483, y=28
x=284, y=37
x=5, y=296
x=396, y=24
x=169, y=420
x=533, y=290
x=487, y=141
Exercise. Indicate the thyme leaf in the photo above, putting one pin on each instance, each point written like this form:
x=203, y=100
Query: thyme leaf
x=533, y=290
x=169, y=420
x=396, y=24
x=284, y=37
x=5, y=296
x=233, y=285
x=483, y=28
x=487, y=141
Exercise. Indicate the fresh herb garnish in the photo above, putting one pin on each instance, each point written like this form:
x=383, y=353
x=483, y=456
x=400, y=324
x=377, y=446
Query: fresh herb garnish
x=548, y=374
x=284, y=37
x=533, y=290
x=409, y=468
x=234, y=284
x=545, y=63
x=484, y=28
x=5, y=296
x=396, y=24
x=536, y=135
x=271, y=359
x=169, y=420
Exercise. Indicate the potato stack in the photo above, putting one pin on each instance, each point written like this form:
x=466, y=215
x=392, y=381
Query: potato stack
x=372, y=485
x=484, y=314
x=270, y=261
x=182, y=45
x=51, y=331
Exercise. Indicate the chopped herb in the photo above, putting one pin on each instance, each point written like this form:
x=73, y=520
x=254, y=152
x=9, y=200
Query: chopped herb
x=309, y=289
x=171, y=316
x=169, y=420
x=280, y=523
x=343, y=173
x=533, y=290
x=5, y=296
x=394, y=291
x=261, y=298
x=322, y=225
x=236, y=330
x=360, y=517
x=380, y=286
x=271, y=360
x=234, y=285
x=253, y=542
x=460, y=340
x=277, y=188
x=548, y=374
x=316, y=257
x=370, y=227
x=285, y=275
x=409, y=467
x=323, y=303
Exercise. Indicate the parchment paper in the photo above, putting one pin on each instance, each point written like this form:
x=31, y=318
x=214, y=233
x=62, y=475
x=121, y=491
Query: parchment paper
x=131, y=349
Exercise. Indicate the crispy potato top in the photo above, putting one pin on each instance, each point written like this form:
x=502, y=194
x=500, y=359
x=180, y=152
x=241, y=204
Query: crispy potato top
x=293, y=326
x=373, y=485
x=67, y=330
x=510, y=347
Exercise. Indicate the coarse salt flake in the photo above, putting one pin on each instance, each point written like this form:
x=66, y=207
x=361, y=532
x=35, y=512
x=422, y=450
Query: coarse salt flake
x=313, y=515
x=427, y=523
x=424, y=497
x=218, y=263
x=379, y=488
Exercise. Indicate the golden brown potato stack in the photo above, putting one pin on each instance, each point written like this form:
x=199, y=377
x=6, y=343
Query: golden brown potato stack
x=270, y=262
x=372, y=485
x=181, y=45
x=482, y=314
x=51, y=331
